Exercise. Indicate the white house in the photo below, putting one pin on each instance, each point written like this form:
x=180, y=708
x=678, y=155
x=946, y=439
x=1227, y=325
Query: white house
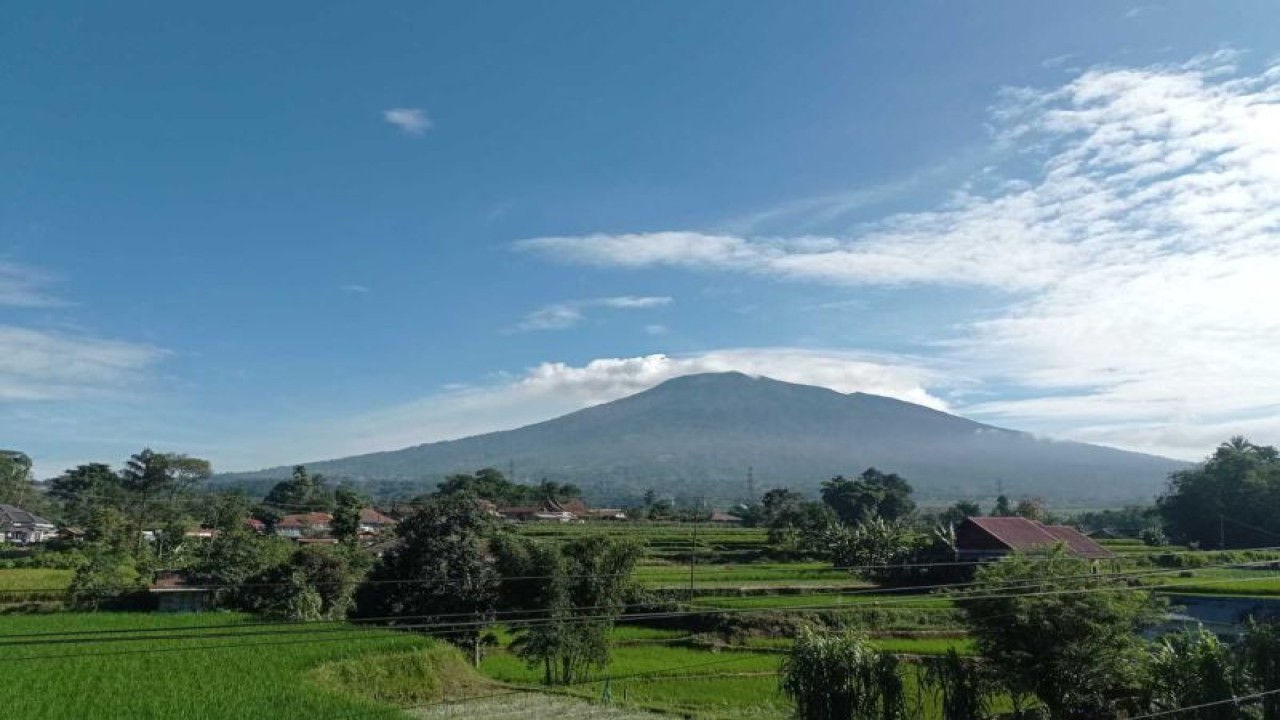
x=20, y=527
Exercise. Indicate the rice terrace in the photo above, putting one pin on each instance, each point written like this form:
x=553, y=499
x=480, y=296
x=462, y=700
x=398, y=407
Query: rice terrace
x=698, y=359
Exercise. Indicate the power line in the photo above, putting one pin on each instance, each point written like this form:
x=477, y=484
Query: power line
x=454, y=627
x=1235, y=699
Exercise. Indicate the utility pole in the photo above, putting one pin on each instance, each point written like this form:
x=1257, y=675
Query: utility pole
x=1222, y=532
x=693, y=547
x=751, y=485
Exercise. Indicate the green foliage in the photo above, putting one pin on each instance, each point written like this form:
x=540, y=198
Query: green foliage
x=439, y=572
x=301, y=492
x=1126, y=521
x=233, y=556
x=842, y=677
x=873, y=495
x=345, y=525
x=103, y=578
x=1232, y=494
x=1259, y=652
x=492, y=485
x=963, y=688
x=796, y=527
x=581, y=590
x=1195, y=668
x=1051, y=628
x=84, y=488
x=413, y=677
x=15, y=477
x=316, y=583
x=244, y=678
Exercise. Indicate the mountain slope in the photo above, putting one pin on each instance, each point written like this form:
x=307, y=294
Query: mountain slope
x=698, y=434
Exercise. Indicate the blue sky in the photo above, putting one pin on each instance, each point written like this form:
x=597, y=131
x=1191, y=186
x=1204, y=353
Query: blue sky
x=267, y=234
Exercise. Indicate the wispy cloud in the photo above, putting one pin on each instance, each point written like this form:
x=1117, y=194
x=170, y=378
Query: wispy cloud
x=565, y=315
x=25, y=286
x=38, y=365
x=411, y=121
x=356, y=288
x=1139, y=259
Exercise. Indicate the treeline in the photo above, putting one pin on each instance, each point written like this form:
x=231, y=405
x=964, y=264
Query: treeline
x=1054, y=642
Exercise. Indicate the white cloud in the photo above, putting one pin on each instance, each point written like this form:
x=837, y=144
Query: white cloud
x=565, y=315
x=551, y=317
x=24, y=286
x=1139, y=259
x=36, y=365
x=656, y=329
x=633, y=302
x=411, y=121
x=356, y=288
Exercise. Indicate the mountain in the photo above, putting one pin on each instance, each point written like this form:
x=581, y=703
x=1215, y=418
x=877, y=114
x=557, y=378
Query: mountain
x=699, y=434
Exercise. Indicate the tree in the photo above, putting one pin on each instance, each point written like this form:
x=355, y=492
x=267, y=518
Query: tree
x=873, y=494
x=1195, y=668
x=1002, y=508
x=104, y=577
x=345, y=525
x=440, y=572
x=234, y=555
x=314, y=584
x=15, y=477
x=963, y=689
x=841, y=677
x=797, y=526
x=150, y=476
x=957, y=513
x=85, y=488
x=1032, y=508
x=575, y=591
x=1259, y=652
x=1236, y=488
x=302, y=491
x=1051, y=628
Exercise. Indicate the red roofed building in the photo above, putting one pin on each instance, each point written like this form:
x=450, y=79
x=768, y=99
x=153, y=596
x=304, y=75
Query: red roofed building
x=979, y=538
x=372, y=521
x=304, y=524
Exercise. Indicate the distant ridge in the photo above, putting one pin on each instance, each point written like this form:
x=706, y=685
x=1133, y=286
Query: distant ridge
x=698, y=434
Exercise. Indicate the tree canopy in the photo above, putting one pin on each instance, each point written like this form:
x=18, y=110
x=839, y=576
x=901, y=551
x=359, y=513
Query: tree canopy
x=1230, y=499
x=873, y=494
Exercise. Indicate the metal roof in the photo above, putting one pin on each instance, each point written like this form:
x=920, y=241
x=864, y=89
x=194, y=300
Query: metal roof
x=1019, y=533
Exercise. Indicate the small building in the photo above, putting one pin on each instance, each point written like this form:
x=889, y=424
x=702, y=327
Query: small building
x=173, y=592
x=725, y=518
x=606, y=514
x=372, y=521
x=981, y=538
x=20, y=527
x=304, y=525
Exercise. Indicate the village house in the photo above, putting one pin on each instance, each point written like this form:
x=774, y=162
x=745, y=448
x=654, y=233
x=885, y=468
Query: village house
x=19, y=527
x=372, y=521
x=983, y=538
x=310, y=524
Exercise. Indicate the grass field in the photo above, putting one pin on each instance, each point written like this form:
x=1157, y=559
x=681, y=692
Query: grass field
x=225, y=673
x=746, y=575
x=24, y=579
x=827, y=600
x=897, y=645
x=693, y=681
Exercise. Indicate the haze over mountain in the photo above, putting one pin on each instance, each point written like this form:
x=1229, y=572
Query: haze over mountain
x=699, y=434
